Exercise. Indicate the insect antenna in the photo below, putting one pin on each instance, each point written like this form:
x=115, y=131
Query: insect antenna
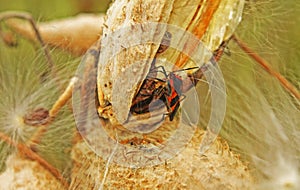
x=180, y=70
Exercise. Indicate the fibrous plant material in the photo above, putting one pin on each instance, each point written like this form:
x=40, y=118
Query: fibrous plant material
x=262, y=123
x=130, y=56
x=22, y=173
x=24, y=112
x=218, y=168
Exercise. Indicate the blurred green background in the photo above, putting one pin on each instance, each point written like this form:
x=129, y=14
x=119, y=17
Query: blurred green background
x=55, y=9
x=21, y=89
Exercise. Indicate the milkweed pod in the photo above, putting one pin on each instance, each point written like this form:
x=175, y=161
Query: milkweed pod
x=125, y=57
x=75, y=34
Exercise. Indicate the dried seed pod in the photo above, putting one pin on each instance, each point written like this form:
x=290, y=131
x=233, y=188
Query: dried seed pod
x=219, y=168
x=117, y=66
x=211, y=21
x=37, y=117
x=75, y=34
x=122, y=69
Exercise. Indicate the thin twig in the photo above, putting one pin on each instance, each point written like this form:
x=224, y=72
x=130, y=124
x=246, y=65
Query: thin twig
x=66, y=95
x=283, y=81
x=60, y=102
x=25, y=151
x=28, y=17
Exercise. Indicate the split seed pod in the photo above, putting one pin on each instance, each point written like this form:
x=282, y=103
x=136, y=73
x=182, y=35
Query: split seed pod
x=120, y=74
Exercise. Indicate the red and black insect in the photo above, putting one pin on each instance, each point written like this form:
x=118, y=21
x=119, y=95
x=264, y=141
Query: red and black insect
x=156, y=90
x=168, y=90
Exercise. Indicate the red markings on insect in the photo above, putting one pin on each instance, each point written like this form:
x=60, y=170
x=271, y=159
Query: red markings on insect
x=154, y=91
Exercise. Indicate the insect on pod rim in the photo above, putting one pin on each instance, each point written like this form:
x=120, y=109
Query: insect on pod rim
x=139, y=155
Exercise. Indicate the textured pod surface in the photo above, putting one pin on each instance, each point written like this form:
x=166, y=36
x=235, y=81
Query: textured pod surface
x=210, y=21
x=120, y=73
x=219, y=168
x=75, y=34
x=28, y=175
x=125, y=71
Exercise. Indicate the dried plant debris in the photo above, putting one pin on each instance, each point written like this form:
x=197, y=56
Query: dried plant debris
x=121, y=73
x=125, y=63
x=37, y=117
x=219, y=168
x=26, y=174
x=74, y=34
x=134, y=62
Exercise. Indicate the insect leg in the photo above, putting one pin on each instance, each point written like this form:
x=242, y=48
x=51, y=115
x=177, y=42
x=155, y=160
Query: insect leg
x=156, y=69
x=182, y=97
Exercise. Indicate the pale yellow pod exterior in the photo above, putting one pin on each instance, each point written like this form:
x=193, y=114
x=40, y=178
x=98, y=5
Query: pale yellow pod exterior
x=211, y=21
x=223, y=24
x=119, y=79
